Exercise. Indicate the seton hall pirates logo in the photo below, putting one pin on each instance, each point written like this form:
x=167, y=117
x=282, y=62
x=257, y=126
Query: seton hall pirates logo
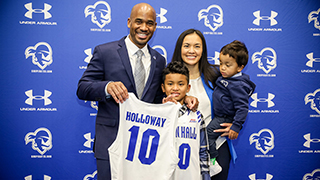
x=41, y=54
x=264, y=140
x=314, y=99
x=315, y=174
x=92, y=176
x=213, y=17
x=267, y=59
x=41, y=140
x=315, y=16
x=100, y=13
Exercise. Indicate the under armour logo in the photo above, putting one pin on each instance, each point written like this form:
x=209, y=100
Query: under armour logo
x=89, y=140
x=215, y=59
x=266, y=58
x=264, y=140
x=164, y=52
x=100, y=13
x=161, y=15
x=314, y=16
x=255, y=101
x=311, y=59
x=314, y=99
x=45, y=98
x=253, y=177
x=47, y=7
x=213, y=17
x=88, y=52
x=91, y=176
x=314, y=175
x=45, y=177
x=309, y=140
x=41, y=54
x=265, y=18
x=41, y=140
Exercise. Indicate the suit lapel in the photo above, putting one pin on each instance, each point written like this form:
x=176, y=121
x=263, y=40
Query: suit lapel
x=123, y=53
x=152, y=71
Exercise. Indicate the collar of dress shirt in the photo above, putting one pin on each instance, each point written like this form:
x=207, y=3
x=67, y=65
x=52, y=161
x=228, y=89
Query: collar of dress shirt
x=132, y=48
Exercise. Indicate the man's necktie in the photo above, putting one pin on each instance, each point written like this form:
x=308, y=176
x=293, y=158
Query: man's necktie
x=139, y=74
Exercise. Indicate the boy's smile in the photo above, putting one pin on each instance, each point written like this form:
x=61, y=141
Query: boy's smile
x=176, y=84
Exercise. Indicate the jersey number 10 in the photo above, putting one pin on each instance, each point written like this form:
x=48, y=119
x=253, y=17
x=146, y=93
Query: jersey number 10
x=147, y=154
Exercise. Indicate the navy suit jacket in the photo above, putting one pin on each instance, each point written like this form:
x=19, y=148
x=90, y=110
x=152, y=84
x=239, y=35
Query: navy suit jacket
x=110, y=62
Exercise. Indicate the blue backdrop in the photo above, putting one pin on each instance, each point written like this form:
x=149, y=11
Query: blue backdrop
x=47, y=133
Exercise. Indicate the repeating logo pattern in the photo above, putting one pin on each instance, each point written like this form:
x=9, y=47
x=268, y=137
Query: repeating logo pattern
x=268, y=100
x=88, y=52
x=309, y=140
x=162, y=51
x=213, y=17
x=214, y=60
x=260, y=18
x=311, y=59
x=45, y=11
x=41, y=140
x=163, y=12
x=45, y=177
x=41, y=54
x=89, y=140
x=100, y=13
x=264, y=140
x=32, y=97
x=314, y=100
x=315, y=174
x=314, y=16
x=92, y=176
x=266, y=58
x=253, y=177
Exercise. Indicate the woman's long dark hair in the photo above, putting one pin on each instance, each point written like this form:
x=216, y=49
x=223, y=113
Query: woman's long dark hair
x=210, y=72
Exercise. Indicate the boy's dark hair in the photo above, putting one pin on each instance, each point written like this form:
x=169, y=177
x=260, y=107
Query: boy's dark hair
x=175, y=67
x=238, y=51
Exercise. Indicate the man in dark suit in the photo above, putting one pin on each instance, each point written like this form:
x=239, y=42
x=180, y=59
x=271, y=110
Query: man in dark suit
x=110, y=76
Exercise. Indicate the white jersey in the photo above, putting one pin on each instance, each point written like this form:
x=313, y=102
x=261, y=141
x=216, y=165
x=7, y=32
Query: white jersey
x=188, y=146
x=145, y=144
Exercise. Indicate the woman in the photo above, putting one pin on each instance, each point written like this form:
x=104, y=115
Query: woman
x=191, y=49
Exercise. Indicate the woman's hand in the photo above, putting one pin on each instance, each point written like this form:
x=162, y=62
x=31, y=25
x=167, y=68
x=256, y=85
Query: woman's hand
x=225, y=131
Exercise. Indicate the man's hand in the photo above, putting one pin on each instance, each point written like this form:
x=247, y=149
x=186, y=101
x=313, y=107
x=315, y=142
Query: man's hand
x=192, y=103
x=118, y=91
x=225, y=131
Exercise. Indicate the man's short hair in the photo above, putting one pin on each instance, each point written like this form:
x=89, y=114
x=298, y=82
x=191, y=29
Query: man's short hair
x=175, y=67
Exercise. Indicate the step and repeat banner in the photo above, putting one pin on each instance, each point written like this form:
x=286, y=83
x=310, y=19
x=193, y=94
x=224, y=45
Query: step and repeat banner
x=48, y=133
